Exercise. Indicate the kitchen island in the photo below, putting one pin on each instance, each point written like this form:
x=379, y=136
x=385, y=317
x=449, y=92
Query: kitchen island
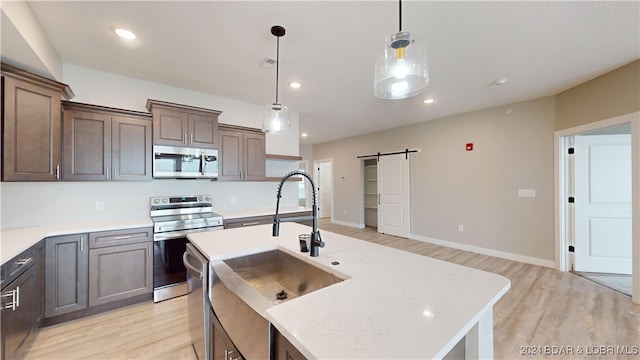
x=392, y=303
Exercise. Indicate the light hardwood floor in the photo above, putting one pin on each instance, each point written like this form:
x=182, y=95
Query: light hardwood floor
x=544, y=307
x=141, y=331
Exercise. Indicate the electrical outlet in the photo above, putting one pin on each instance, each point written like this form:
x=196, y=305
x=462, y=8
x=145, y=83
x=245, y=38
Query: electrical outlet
x=460, y=228
x=345, y=211
x=99, y=206
x=234, y=200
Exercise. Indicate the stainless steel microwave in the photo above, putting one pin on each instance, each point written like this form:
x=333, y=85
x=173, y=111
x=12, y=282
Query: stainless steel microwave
x=171, y=162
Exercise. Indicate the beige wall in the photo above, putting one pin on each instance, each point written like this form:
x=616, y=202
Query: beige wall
x=477, y=189
x=612, y=94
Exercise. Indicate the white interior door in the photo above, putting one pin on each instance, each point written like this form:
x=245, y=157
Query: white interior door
x=602, y=205
x=393, y=195
x=323, y=176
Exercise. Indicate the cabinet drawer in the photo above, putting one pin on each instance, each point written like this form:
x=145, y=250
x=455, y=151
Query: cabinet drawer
x=120, y=237
x=18, y=265
x=248, y=221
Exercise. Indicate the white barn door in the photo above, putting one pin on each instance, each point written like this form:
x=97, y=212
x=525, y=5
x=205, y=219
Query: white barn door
x=393, y=192
x=602, y=176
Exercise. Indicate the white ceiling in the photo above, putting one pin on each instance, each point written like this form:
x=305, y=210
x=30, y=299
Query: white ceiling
x=216, y=47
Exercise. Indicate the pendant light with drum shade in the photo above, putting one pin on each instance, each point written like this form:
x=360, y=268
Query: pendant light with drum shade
x=401, y=65
x=276, y=115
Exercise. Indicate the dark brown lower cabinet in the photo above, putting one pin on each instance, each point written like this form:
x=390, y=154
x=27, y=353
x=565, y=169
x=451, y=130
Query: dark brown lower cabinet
x=19, y=301
x=120, y=272
x=283, y=349
x=38, y=254
x=22, y=301
x=66, y=265
x=95, y=272
x=222, y=347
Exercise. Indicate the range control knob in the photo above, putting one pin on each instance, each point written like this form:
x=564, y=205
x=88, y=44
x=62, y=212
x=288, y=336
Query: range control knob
x=156, y=201
x=199, y=198
x=165, y=200
x=207, y=198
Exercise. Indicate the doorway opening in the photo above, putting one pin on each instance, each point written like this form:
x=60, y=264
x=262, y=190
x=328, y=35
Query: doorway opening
x=370, y=193
x=601, y=183
x=597, y=235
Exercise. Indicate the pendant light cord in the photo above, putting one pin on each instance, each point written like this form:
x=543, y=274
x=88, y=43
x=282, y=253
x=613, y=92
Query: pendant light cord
x=400, y=15
x=277, y=65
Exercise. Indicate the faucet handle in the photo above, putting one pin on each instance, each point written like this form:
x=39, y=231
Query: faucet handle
x=318, y=240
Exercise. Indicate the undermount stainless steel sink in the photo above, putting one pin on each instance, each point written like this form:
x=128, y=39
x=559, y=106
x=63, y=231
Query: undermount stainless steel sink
x=241, y=290
x=279, y=276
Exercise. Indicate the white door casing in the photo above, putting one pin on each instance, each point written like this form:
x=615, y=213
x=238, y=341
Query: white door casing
x=602, y=208
x=393, y=195
x=324, y=184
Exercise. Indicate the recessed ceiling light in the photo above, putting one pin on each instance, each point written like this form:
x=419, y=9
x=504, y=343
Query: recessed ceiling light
x=125, y=34
x=303, y=134
x=428, y=101
x=295, y=85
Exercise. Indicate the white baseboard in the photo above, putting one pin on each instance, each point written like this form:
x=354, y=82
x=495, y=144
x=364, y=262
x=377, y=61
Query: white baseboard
x=353, y=225
x=485, y=251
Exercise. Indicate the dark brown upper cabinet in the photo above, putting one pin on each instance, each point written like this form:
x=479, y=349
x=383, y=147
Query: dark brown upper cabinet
x=31, y=123
x=183, y=125
x=242, y=153
x=102, y=143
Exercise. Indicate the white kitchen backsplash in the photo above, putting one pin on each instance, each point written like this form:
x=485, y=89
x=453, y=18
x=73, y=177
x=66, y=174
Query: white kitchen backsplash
x=40, y=203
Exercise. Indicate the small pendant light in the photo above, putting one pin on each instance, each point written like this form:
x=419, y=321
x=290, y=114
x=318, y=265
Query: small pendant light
x=401, y=65
x=276, y=115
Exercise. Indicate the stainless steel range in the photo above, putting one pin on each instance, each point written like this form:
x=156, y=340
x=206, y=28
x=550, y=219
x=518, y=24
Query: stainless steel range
x=173, y=218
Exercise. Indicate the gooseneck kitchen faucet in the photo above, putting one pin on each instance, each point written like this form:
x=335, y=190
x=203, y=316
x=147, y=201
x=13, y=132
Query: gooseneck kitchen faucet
x=316, y=240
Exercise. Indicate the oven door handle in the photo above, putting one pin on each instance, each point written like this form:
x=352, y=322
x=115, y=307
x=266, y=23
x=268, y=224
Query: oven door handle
x=187, y=264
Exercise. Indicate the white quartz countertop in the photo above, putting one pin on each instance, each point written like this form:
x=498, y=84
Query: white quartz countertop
x=13, y=241
x=16, y=240
x=393, y=305
x=238, y=214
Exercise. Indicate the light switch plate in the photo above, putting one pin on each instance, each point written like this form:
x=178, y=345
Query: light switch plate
x=527, y=192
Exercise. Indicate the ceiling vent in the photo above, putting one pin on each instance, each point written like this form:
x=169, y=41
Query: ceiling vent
x=268, y=62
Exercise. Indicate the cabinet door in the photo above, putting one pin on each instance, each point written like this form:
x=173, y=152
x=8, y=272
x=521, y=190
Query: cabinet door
x=203, y=131
x=38, y=305
x=131, y=156
x=231, y=155
x=31, y=132
x=284, y=350
x=66, y=259
x=120, y=272
x=222, y=347
x=170, y=127
x=87, y=146
x=254, y=156
x=18, y=320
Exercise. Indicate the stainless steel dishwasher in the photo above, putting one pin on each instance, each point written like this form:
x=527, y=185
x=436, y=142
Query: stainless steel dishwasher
x=197, y=275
